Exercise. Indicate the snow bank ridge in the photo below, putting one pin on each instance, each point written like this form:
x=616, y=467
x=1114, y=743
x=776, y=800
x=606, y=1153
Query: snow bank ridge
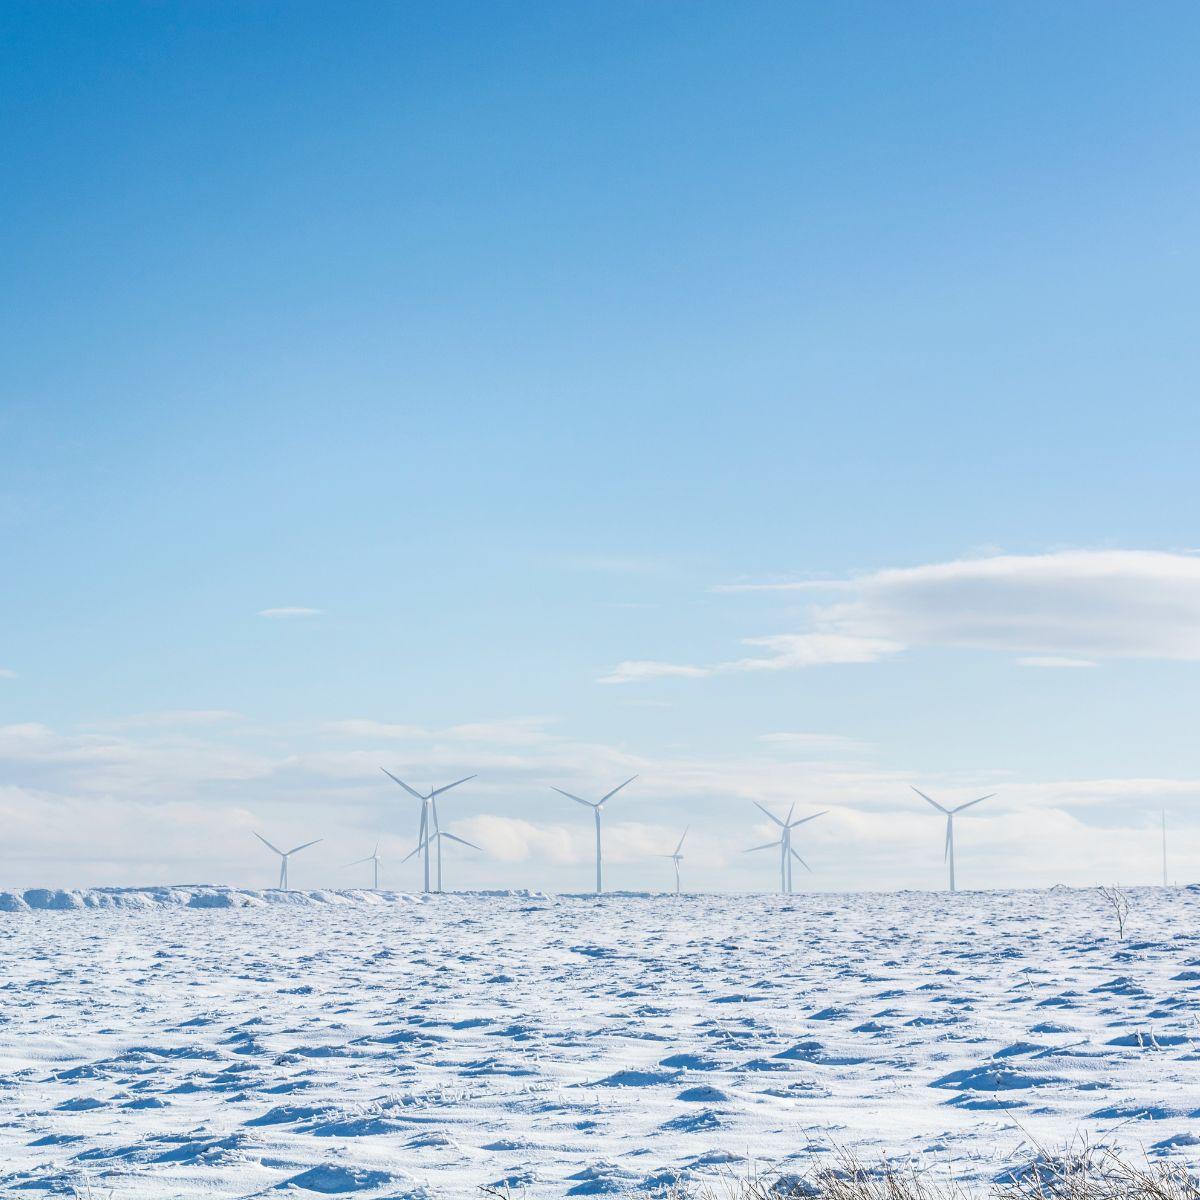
x=195, y=896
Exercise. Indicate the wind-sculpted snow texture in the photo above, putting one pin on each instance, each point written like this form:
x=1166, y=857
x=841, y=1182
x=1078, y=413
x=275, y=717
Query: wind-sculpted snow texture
x=204, y=1042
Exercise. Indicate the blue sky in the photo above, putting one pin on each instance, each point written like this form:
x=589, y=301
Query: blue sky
x=507, y=337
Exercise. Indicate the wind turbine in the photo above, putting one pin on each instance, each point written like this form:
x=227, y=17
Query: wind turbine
x=428, y=811
x=372, y=858
x=597, y=806
x=950, y=815
x=786, y=850
x=284, y=855
x=436, y=836
x=677, y=858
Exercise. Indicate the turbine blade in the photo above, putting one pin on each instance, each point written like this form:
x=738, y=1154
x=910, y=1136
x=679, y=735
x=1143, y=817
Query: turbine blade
x=680, y=846
x=296, y=849
x=268, y=844
x=768, y=813
x=462, y=841
x=802, y=862
x=805, y=820
x=610, y=795
x=412, y=792
x=412, y=854
x=357, y=862
x=930, y=799
x=570, y=796
x=768, y=846
x=439, y=791
x=949, y=837
x=791, y=813
x=969, y=803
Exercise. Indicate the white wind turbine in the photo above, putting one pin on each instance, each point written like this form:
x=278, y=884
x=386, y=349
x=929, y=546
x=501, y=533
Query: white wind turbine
x=948, y=856
x=284, y=855
x=677, y=858
x=436, y=836
x=429, y=821
x=787, y=851
x=372, y=858
x=597, y=806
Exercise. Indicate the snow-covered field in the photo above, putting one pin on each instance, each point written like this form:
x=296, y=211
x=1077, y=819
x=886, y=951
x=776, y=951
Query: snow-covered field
x=201, y=1042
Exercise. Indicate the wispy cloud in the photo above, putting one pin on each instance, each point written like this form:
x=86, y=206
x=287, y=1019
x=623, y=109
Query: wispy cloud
x=632, y=671
x=785, y=652
x=513, y=731
x=1089, y=604
x=5, y=673
x=289, y=611
x=1070, y=608
x=823, y=744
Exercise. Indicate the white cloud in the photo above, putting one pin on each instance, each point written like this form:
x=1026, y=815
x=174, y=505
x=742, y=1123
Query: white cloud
x=633, y=671
x=1068, y=608
x=787, y=652
x=5, y=673
x=290, y=611
x=814, y=743
x=1072, y=604
x=520, y=731
x=790, y=651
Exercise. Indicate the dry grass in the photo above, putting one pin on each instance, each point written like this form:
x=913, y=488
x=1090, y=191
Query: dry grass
x=1079, y=1174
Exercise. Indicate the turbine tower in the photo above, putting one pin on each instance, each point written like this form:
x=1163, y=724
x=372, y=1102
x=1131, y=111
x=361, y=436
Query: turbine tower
x=284, y=855
x=372, y=858
x=436, y=836
x=428, y=821
x=787, y=851
x=597, y=807
x=948, y=856
x=677, y=858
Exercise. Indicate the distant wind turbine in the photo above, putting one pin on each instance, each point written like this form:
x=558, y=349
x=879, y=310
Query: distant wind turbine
x=677, y=858
x=436, y=836
x=284, y=855
x=372, y=858
x=787, y=851
x=951, y=813
x=597, y=806
x=429, y=821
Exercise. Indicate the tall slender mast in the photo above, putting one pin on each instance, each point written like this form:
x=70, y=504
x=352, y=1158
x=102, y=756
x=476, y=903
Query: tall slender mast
x=425, y=836
x=599, y=854
x=950, y=847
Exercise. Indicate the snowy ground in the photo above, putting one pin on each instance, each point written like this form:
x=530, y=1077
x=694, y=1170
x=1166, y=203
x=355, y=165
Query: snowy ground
x=392, y=1046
